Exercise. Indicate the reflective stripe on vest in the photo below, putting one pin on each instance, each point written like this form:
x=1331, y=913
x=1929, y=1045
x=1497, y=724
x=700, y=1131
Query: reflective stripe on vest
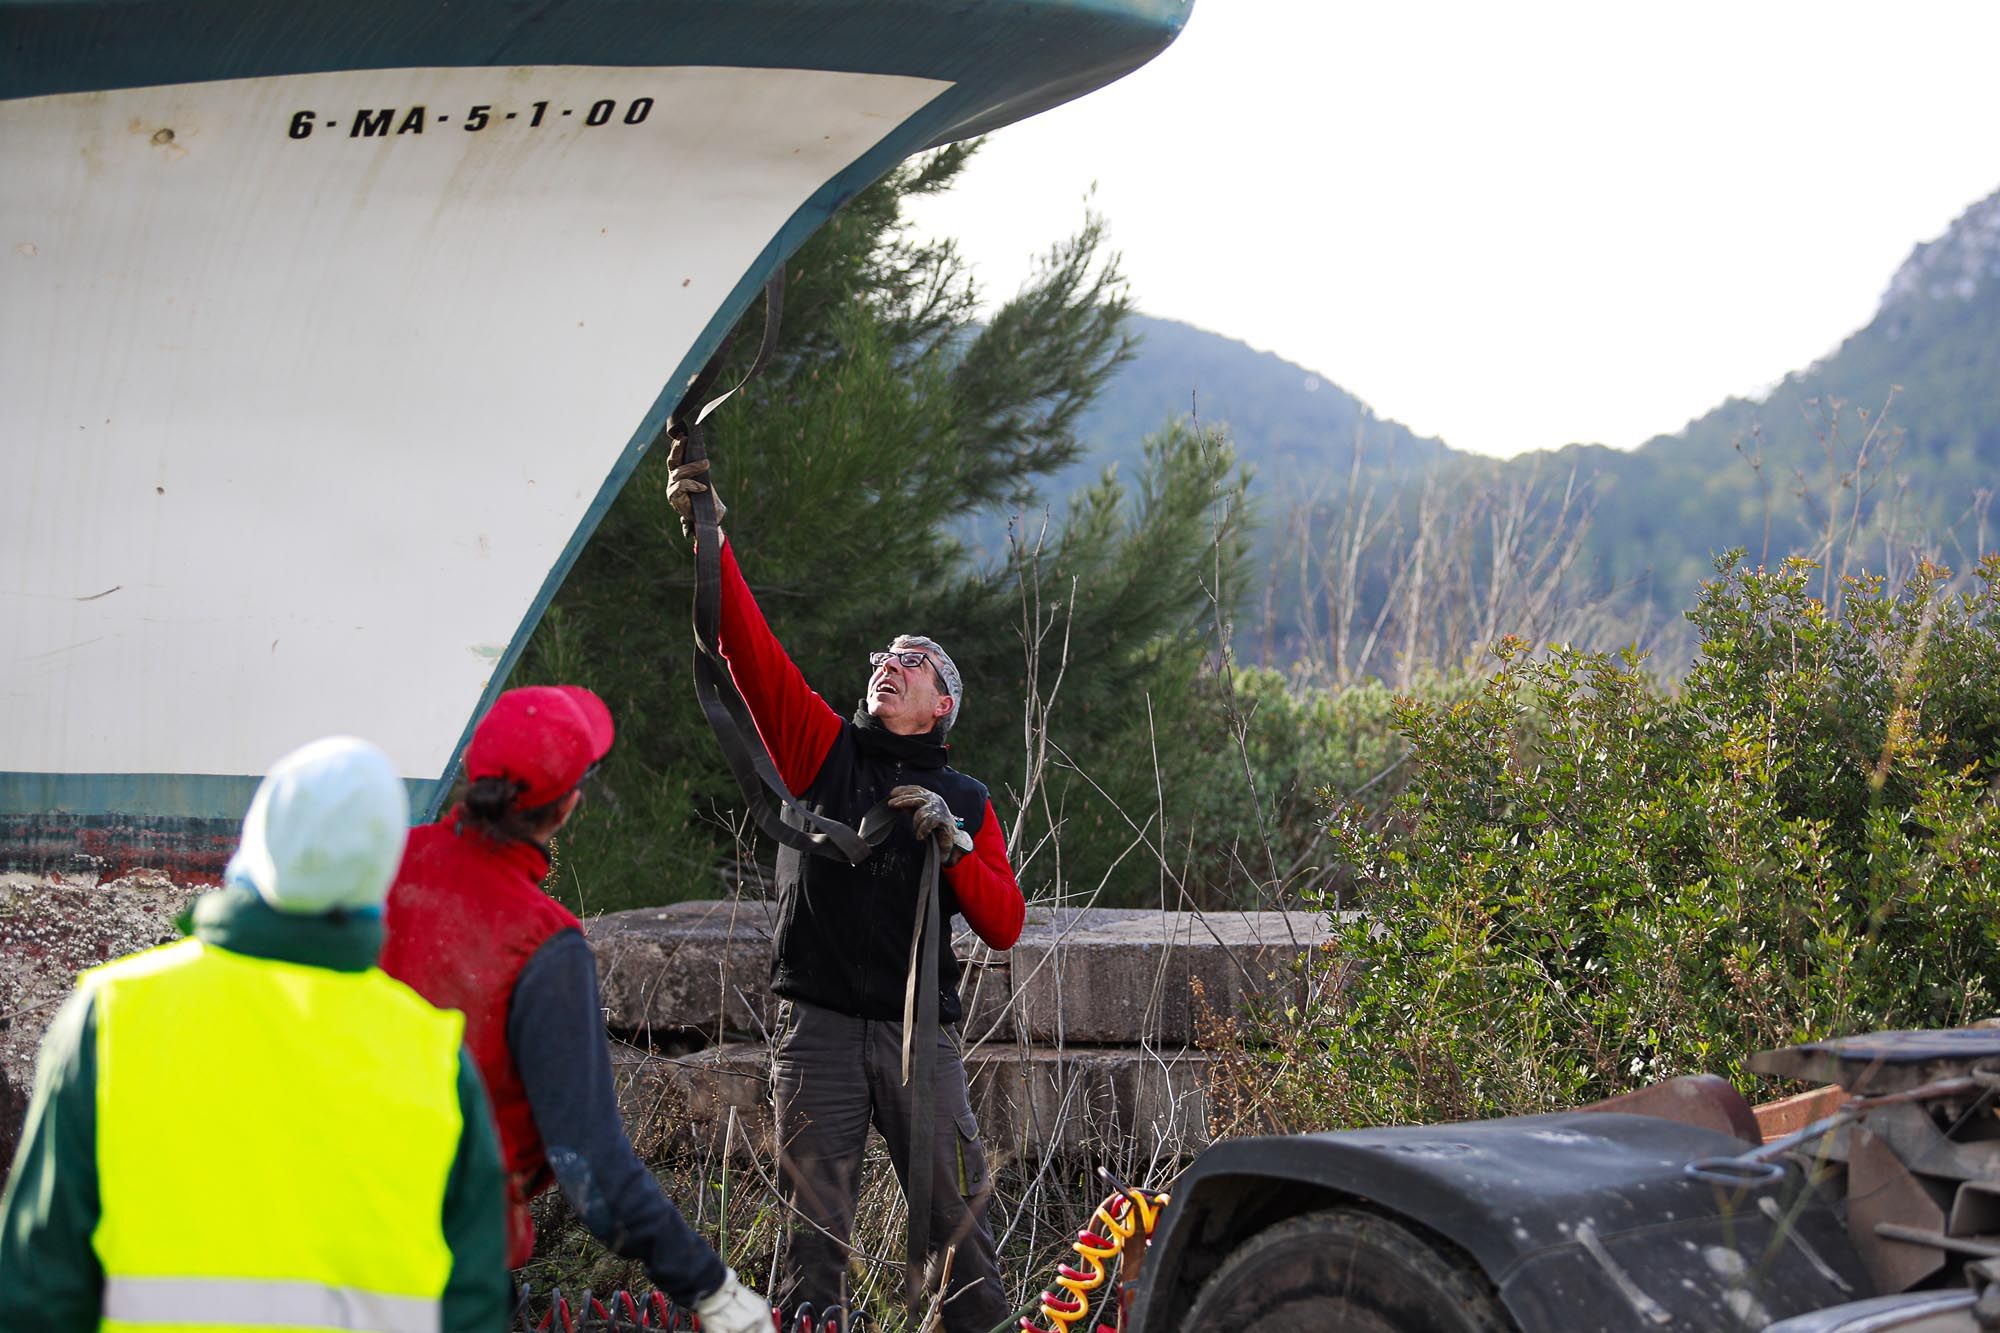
x=269, y=1125
x=222, y=1302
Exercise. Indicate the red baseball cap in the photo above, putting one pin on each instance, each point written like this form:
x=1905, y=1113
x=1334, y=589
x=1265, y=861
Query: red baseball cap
x=544, y=737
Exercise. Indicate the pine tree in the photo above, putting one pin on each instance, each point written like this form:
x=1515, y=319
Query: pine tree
x=888, y=416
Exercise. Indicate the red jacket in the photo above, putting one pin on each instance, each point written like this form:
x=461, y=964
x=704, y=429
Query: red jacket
x=466, y=913
x=843, y=933
x=799, y=728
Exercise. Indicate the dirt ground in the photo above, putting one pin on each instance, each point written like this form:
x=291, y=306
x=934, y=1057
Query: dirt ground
x=53, y=927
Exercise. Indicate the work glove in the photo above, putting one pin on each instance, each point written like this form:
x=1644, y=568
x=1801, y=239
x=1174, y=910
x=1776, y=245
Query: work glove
x=684, y=481
x=930, y=817
x=733, y=1308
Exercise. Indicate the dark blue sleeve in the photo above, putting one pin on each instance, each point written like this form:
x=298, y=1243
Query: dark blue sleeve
x=555, y=1028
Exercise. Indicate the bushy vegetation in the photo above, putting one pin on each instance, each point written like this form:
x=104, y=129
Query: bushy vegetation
x=1592, y=881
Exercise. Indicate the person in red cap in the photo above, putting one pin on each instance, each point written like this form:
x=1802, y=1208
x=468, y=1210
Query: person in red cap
x=469, y=928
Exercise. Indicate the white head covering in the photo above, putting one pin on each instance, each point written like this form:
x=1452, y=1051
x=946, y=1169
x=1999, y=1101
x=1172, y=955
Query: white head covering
x=325, y=830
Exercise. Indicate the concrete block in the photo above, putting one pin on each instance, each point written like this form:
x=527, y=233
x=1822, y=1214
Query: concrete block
x=985, y=987
x=1101, y=976
x=1106, y=1103
x=697, y=966
x=1125, y=976
x=706, y=967
x=1099, y=1103
x=674, y=1104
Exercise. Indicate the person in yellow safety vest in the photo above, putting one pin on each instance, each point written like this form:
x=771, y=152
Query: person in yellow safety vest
x=256, y=1127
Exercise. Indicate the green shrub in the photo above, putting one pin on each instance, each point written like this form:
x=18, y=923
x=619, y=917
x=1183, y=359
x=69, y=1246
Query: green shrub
x=1590, y=882
x=1266, y=758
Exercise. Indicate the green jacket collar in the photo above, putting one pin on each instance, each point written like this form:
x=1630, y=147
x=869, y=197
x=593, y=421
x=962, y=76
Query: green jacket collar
x=237, y=919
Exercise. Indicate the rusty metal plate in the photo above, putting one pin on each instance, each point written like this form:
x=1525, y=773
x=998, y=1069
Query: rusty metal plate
x=1881, y=1062
x=1976, y=1209
x=1881, y=1189
x=1918, y=1142
x=1702, y=1100
x=1791, y=1114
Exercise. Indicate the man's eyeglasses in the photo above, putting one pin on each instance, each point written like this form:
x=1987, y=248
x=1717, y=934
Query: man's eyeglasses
x=908, y=658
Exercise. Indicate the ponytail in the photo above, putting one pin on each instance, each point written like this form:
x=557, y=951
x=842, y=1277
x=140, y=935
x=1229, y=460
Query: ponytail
x=490, y=808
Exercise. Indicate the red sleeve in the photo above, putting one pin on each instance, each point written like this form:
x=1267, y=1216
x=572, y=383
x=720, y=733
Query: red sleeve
x=797, y=726
x=988, y=897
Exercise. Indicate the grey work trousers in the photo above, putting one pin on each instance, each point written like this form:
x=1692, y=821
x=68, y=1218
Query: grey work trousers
x=833, y=1076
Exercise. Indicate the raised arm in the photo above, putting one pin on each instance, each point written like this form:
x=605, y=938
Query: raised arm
x=797, y=726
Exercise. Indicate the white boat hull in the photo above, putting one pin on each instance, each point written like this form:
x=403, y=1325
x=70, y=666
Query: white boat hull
x=261, y=390
x=315, y=383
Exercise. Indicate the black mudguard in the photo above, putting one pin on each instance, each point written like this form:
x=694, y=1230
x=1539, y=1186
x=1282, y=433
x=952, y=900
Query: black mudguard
x=1582, y=1221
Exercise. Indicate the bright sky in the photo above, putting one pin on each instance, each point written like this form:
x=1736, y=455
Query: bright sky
x=1515, y=226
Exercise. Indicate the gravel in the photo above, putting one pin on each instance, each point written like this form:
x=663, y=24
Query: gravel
x=53, y=927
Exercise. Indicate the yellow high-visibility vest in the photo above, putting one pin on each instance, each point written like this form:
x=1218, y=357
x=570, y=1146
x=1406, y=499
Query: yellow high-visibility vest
x=273, y=1144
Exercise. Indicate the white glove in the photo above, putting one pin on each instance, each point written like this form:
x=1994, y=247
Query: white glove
x=733, y=1308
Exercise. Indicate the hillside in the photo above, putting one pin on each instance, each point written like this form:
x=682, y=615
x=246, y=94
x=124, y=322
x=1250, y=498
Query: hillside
x=1294, y=426
x=1931, y=356
x=1814, y=465
x=1294, y=430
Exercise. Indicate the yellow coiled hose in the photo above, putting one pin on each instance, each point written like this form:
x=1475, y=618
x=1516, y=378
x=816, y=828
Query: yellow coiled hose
x=1122, y=1215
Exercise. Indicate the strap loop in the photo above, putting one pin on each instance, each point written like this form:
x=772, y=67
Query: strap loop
x=777, y=813
x=920, y=1043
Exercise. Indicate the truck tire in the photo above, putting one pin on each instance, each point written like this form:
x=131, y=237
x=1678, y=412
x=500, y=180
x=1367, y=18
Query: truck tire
x=1345, y=1271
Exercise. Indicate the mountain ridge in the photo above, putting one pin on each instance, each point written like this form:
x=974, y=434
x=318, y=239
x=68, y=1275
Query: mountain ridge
x=1885, y=448
x=1764, y=473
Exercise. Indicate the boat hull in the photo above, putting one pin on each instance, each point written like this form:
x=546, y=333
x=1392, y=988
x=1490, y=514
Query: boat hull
x=316, y=380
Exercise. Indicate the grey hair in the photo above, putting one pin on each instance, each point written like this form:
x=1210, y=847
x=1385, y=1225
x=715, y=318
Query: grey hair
x=954, y=684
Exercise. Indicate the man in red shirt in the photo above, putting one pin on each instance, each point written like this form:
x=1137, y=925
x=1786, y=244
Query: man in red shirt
x=841, y=952
x=469, y=928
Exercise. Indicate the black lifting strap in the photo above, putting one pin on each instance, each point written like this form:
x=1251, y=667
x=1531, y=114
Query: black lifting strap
x=785, y=819
x=778, y=814
x=920, y=1043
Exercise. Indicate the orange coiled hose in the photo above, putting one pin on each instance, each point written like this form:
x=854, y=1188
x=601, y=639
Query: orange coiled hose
x=1121, y=1216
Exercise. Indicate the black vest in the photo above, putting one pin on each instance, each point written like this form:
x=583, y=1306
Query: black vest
x=843, y=937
